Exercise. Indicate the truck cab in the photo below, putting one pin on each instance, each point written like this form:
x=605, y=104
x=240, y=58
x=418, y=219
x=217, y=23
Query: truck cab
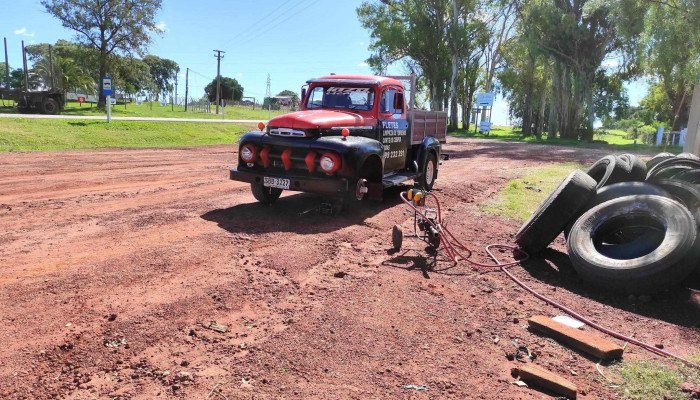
x=354, y=136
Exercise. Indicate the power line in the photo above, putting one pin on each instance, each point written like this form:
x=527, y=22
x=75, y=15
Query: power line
x=254, y=24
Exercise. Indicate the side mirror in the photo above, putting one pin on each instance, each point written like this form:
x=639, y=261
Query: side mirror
x=398, y=102
x=303, y=94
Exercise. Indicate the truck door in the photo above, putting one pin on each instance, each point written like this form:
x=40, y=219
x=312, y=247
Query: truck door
x=393, y=128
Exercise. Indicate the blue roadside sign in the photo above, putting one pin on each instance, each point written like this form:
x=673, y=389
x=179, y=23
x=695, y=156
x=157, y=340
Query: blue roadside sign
x=107, y=86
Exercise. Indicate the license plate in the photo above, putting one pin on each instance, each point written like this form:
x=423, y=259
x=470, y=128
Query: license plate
x=279, y=183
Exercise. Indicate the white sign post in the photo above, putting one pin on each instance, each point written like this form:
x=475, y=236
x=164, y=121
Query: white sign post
x=681, y=141
x=659, y=135
x=484, y=100
x=107, y=91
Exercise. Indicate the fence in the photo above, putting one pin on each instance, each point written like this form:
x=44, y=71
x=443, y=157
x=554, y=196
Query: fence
x=200, y=105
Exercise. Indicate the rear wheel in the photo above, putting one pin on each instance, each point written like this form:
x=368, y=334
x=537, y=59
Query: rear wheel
x=265, y=195
x=49, y=107
x=429, y=173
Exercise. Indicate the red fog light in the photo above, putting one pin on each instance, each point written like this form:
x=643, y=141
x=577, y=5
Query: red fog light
x=249, y=153
x=330, y=162
x=265, y=156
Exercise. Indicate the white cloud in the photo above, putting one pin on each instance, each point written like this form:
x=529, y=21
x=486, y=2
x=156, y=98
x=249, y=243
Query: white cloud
x=362, y=43
x=23, y=31
x=161, y=26
x=362, y=64
x=240, y=74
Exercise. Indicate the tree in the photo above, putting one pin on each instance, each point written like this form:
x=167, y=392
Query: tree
x=416, y=29
x=3, y=78
x=230, y=89
x=110, y=26
x=163, y=72
x=579, y=35
x=672, y=54
x=292, y=94
x=67, y=73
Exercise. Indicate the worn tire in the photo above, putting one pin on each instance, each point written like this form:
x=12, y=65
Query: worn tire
x=687, y=194
x=638, y=169
x=428, y=172
x=651, y=163
x=689, y=176
x=609, y=170
x=265, y=195
x=49, y=107
x=557, y=210
x=615, y=191
x=643, y=263
x=689, y=156
x=667, y=168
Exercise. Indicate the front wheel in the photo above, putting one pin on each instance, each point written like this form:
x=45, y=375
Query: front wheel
x=265, y=195
x=427, y=178
x=50, y=107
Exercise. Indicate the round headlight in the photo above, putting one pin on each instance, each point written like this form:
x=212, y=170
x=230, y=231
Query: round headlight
x=330, y=162
x=248, y=153
x=327, y=164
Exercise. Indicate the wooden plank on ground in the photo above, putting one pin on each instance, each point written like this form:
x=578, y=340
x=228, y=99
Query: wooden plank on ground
x=538, y=376
x=581, y=340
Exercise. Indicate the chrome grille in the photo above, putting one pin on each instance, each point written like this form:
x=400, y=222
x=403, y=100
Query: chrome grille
x=286, y=132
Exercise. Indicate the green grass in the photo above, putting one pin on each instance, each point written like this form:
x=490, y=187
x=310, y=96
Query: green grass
x=18, y=134
x=615, y=140
x=653, y=380
x=155, y=110
x=520, y=197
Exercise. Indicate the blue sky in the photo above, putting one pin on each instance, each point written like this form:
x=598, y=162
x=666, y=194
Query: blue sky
x=292, y=40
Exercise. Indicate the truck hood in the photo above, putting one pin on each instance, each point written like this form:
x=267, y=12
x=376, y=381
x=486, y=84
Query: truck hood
x=322, y=119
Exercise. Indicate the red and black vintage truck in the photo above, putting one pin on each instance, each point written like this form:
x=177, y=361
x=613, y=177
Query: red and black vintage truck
x=354, y=136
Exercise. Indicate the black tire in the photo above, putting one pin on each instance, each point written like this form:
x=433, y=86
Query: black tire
x=556, y=212
x=615, y=191
x=689, y=176
x=669, y=167
x=689, y=156
x=49, y=107
x=657, y=159
x=638, y=169
x=687, y=194
x=265, y=195
x=428, y=172
x=655, y=252
x=609, y=170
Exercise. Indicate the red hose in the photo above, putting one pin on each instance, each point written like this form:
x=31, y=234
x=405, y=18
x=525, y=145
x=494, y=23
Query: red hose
x=451, y=244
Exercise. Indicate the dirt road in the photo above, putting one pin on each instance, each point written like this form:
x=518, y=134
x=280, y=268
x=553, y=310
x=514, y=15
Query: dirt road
x=113, y=264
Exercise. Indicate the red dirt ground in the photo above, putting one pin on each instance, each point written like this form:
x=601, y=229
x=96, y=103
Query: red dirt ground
x=151, y=245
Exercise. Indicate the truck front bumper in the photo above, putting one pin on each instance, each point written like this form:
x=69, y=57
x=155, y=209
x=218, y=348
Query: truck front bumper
x=313, y=185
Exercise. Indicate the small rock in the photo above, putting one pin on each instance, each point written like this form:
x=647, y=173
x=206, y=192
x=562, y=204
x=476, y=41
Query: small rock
x=339, y=274
x=659, y=346
x=510, y=356
x=183, y=376
x=496, y=340
x=112, y=317
x=184, y=363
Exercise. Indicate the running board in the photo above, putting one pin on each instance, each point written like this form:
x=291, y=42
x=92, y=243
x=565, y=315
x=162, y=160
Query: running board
x=398, y=178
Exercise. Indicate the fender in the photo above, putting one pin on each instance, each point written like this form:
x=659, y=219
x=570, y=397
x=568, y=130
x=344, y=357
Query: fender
x=429, y=143
x=354, y=150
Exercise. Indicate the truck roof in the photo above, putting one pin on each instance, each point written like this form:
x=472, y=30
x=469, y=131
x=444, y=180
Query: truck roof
x=357, y=79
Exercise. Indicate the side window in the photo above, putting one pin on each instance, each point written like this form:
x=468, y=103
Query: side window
x=387, y=103
x=315, y=98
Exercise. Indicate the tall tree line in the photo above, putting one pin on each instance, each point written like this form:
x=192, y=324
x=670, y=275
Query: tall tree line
x=561, y=64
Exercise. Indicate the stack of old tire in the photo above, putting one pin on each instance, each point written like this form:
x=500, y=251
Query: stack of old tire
x=630, y=226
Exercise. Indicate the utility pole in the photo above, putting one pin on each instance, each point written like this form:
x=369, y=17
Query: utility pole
x=177, y=78
x=187, y=86
x=218, y=77
x=268, y=95
x=7, y=67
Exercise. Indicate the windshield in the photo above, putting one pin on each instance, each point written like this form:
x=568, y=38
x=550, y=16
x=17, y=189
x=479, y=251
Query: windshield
x=351, y=98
